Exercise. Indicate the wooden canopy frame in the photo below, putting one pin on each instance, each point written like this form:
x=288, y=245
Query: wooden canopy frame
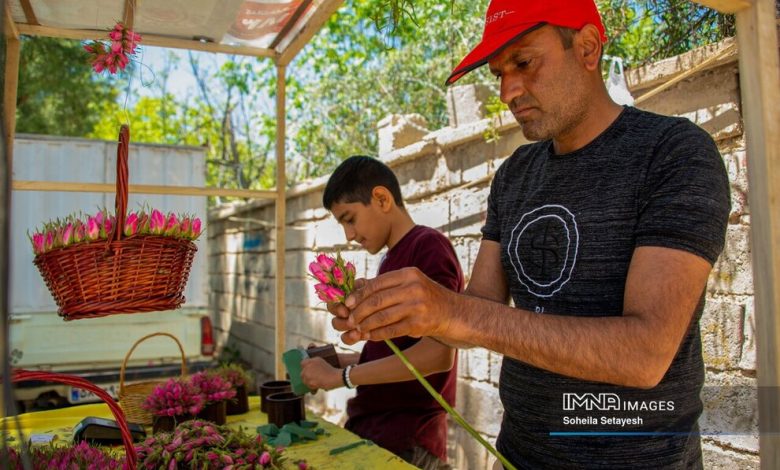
x=281, y=57
x=760, y=88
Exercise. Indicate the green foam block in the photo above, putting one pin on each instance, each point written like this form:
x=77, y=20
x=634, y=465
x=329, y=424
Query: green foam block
x=292, y=362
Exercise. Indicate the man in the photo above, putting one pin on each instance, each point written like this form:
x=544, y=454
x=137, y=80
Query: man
x=603, y=233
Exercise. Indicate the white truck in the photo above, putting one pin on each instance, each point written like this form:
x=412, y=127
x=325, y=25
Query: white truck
x=95, y=348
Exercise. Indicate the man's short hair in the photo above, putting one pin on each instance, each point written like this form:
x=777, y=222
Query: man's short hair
x=566, y=35
x=354, y=180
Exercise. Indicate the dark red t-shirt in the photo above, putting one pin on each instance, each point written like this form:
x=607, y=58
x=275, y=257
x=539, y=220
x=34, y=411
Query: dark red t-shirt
x=401, y=415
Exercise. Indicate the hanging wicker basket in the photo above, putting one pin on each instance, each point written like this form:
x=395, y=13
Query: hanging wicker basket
x=139, y=273
x=132, y=396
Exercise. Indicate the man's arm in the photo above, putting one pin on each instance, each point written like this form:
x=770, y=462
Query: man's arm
x=487, y=281
x=663, y=288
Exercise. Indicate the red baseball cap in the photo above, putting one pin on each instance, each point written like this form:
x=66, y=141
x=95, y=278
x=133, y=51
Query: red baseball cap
x=508, y=20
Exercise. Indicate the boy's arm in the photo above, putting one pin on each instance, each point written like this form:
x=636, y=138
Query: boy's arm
x=346, y=359
x=427, y=355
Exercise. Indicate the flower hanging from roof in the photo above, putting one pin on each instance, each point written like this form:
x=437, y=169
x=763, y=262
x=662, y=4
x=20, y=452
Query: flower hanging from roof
x=116, y=54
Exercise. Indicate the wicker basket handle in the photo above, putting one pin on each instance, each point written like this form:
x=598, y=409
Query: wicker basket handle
x=120, y=202
x=135, y=345
x=20, y=375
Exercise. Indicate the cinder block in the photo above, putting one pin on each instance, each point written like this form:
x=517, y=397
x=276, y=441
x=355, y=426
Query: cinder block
x=434, y=213
x=397, y=131
x=733, y=272
x=474, y=364
x=496, y=360
x=747, y=360
x=721, y=334
x=718, y=458
x=480, y=406
x=466, y=103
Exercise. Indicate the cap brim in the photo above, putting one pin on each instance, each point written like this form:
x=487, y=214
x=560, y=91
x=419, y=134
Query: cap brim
x=488, y=48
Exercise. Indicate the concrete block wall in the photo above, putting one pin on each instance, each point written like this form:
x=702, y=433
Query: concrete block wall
x=445, y=177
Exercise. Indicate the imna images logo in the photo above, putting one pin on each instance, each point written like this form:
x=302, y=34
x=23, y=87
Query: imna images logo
x=611, y=402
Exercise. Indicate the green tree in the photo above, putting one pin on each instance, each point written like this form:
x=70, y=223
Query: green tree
x=58, y=92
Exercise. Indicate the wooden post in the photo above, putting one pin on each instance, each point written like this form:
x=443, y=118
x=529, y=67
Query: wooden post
x=281, y=212
x=11, y=77
x=760, y=86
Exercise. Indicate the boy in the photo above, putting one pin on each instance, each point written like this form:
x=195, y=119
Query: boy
x=391, y=408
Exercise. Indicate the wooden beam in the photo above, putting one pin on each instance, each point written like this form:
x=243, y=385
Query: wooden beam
x=148, y=40
x=29, y=13
x=760, y=88
x=281, y=216
x=726, y=6
x=315, y=22
x=290, y=23
x=19, y=185
x=129, y=13
x=9, y=27
x=11, y=82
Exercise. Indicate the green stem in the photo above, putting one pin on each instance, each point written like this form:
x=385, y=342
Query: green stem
x=455, y=415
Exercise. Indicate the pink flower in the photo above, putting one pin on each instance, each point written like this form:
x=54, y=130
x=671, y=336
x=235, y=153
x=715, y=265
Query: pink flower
x=316, y=270
x=116, y=34
x=326, y=262
x=108, y=225
x=350, y=269
x=195, y=228
x=93, y=229
x=335, y=293
x=67, y=235
x=172, y=225
x=338, y=276
x=131, y=224
x=39, y=243
x=302, y=465
x=320, y=289
x=157, y=222
x=265, y=459
x=81, y=232
x=49, y=243
x=99, y=217
x=99, y=65
x=185, y=226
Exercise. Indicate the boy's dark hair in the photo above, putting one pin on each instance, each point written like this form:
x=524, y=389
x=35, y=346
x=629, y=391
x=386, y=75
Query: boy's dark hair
x=355, y=178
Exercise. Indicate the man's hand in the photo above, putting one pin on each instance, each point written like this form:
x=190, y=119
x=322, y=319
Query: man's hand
x=316, y=374
x=398, y=303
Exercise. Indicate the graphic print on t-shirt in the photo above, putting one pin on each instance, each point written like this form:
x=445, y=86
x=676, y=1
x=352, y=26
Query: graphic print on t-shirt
x=543, y=249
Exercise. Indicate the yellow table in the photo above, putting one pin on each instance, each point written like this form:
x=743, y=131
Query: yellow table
x=60, y=422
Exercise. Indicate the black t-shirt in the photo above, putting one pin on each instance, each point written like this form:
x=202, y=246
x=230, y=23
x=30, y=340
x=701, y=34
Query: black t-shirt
x=568, y=225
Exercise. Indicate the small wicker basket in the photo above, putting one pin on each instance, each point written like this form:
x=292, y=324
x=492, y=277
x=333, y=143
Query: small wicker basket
x=139, y=273
x=132, y=396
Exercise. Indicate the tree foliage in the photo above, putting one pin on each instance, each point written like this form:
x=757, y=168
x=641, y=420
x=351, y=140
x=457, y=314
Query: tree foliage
x=371, y=59
x=58, y=93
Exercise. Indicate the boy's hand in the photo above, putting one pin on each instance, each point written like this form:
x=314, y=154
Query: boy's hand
x=341, y=313
x=316, y=374
x=399, y=303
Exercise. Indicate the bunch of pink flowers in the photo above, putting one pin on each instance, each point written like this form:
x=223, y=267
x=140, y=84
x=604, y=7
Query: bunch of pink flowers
x=81, y=455
x=116, y=55
x=76, y=229
x=175, y=397
x=213, y=387
x=336, y=277
x=200, y=444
